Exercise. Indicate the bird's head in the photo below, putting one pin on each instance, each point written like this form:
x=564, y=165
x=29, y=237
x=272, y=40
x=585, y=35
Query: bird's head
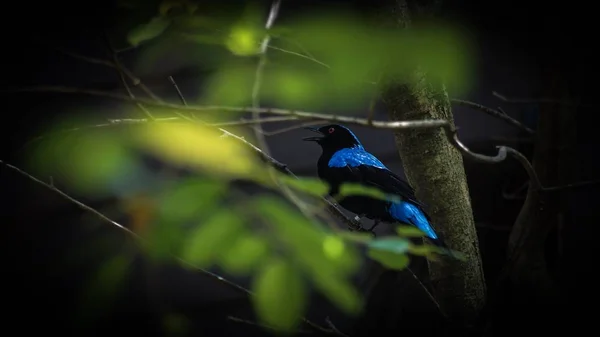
x=334, y=137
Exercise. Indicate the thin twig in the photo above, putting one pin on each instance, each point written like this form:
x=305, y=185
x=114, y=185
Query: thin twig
x=121, y=73
x=390, y=125
x=521, y=100
x=181, y=97
x=290, y=128
x=429, y=294
x=138, y=237
x=495, y=113
x=333, y=327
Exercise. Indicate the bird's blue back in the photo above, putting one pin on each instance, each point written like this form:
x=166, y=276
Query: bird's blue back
x=402, y=211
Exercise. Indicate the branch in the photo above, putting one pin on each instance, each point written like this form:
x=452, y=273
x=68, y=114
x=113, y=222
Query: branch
x=109, y=221
x=390, y=125
x=539, y=100
x=495, y=113
x=121, y=73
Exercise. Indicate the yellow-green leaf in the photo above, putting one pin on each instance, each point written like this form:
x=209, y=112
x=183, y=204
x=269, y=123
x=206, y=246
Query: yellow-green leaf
x=409, y=231
x=389, y=259
x=357, y=237
x=246, y=252
x=149, y=30
x=200, y=147
x=280, y=295
x=212, y=237
x=188, y=198
x=311, y=186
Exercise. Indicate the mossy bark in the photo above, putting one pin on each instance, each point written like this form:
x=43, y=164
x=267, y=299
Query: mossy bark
x=435, y=169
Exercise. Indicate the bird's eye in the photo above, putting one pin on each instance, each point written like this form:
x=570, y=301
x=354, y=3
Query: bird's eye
x=331, y=130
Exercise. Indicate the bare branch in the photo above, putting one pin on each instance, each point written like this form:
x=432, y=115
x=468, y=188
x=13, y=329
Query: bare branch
x=121, y=73
x=539, y=100
x=181, y=97
x=495, y=113
x=290, y=128
x=138, y=237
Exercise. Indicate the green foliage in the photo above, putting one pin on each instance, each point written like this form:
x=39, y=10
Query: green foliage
x=212, y=238
x=280, y=294
x=246, y=252
x=147, y=31
x=389, y=259
x=409, y=231
x=311, y=186
x=391, y=244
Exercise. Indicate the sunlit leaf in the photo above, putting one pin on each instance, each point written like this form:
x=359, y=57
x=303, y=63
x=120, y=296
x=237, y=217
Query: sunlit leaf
x=334, y=247
x=280, y=295
x=389, y=259
x=391, y=244
x=212, y=237
x=409, y=231
x=148, y=31
x=348, y=189
x=200, y=147
x=246, y=252
x=244, y=41
x=312, y=186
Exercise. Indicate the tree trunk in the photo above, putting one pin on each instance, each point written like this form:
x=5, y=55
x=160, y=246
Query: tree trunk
x=435, y=169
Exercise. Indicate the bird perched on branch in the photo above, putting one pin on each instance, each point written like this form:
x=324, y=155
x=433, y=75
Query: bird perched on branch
x=345, y=160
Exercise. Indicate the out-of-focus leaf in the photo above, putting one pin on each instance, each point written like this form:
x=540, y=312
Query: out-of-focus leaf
x=89, y=162
x=244, y=40
x=391, y=244
x=334, y=247
x=200, y=147
x=246, y=252
x=191, y=198
x=423, y=250
x=280, y=295
x=103, y=286
x=340, y=292
x=311, y=186
x=357, y=237
x=213, y=237
x=231, y=85
x=389, y=259
x=306, y=240
x=348, y=189
x=148, y=31
x=409, y=231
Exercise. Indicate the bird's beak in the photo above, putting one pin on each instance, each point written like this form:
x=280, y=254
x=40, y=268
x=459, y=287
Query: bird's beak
x=313, y=139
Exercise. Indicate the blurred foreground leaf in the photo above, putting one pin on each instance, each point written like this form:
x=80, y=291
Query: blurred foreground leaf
x=201, y=148
x=212, y=237
x=389, y=259
x=247, y=251
x=391, y=244
x=312, y=186
x=280, y=295
x=351, y=189
x=148, y=31
x=409, y=231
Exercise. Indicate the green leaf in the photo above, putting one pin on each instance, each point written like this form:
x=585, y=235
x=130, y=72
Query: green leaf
x=212, y=237
x=190, y=198
x=306, y=240
x=340, y=292
x=311, y=186
x=357, y=237
x=103, y=285
x=247, y=251
x=280, y=295
x=423, y=250
x=358, y=189
x=391, y=244
x=389, y=259
x=409, y=231
x=149, y=30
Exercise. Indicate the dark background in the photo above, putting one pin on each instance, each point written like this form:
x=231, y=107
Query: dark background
x=519, y=45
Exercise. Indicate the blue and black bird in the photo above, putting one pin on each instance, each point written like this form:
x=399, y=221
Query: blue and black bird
x=345, y=160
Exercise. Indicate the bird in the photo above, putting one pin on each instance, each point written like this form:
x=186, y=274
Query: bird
x=345, y=160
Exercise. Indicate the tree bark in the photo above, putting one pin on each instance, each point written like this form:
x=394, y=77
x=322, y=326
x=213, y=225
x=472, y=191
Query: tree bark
x=435, y=169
